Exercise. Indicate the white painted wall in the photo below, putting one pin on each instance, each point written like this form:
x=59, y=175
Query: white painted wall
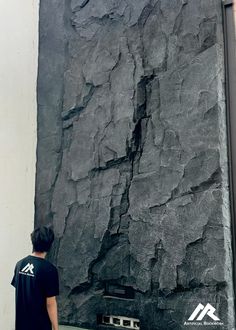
x=18, y=70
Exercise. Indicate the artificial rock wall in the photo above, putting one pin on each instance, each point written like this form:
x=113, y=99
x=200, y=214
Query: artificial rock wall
x=132, y=159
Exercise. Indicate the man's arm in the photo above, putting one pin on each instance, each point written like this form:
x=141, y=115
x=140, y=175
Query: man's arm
x=52, y=312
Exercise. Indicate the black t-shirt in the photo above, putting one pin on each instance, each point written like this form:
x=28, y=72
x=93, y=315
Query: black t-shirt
x=35, y=279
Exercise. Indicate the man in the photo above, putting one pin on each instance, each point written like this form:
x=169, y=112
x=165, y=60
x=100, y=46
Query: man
x=36, y=283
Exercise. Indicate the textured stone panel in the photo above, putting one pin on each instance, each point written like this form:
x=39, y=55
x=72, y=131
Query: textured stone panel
x=132, y=160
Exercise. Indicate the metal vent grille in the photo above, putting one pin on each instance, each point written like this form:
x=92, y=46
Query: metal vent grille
x=121, y=321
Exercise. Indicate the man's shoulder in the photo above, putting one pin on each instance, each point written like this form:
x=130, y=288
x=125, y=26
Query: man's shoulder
x=40, y=266
x=36, y=260
x=19, y=262
x=49, y=271
x=50, y=266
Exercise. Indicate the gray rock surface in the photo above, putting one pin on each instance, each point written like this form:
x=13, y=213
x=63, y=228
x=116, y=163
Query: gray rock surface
x=132, y=159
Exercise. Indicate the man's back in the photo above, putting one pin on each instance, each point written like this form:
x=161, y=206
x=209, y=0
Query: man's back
x=35, y=279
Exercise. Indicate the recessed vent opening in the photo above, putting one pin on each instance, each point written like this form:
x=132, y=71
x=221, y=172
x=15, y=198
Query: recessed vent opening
x=120, y=321
x=118, y=291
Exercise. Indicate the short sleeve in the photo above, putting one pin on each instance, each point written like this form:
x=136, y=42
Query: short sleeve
x=51, y=283
x=13, y=282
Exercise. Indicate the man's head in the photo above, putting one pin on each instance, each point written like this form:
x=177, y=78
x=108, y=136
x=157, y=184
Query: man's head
x=42, y=239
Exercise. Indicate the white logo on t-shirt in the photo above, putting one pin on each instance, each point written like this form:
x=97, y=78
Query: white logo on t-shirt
x=28, y=270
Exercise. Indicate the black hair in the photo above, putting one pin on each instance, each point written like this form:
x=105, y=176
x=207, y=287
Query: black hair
x=42, y=239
